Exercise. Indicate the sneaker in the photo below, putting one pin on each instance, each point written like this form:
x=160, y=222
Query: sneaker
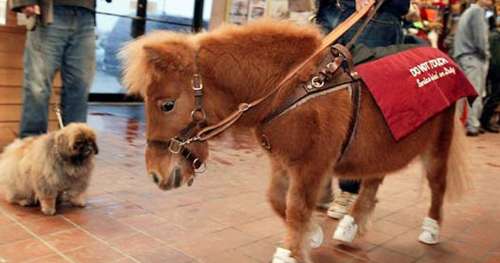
x=341, y=204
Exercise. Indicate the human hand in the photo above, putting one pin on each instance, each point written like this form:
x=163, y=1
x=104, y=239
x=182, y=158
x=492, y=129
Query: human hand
x=31, y=10
x=362, y=3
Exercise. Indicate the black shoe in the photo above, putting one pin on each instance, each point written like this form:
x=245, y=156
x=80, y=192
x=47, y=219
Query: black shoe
x=492, y=129
x=472, y=133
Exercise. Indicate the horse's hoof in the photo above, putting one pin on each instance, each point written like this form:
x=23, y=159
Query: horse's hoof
x=283, y=256
x=430, y=232
x=346, y=230
x=317, y=236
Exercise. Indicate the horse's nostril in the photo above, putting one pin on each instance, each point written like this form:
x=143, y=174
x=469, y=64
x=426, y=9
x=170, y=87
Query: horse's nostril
x=155, y=178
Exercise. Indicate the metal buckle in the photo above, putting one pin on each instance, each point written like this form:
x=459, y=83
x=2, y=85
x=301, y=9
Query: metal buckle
x=201, y=111
x=317, y=82
x=199, y=166
x=196, y=82
x=175, y=146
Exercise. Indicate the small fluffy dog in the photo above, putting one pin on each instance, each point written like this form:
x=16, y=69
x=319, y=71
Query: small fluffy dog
x=43, y=168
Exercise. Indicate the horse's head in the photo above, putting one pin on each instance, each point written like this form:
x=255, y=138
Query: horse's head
x=160, y=67
x=238, y=64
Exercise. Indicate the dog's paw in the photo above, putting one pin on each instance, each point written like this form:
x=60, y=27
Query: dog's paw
x=78, y=203
x=25, y=202
x=49, y=211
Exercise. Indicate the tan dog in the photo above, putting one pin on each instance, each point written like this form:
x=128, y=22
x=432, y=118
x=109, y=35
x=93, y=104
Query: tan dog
x=45, y=167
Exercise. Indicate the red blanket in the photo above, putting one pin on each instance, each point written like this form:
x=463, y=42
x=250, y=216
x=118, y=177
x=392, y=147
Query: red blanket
x=414, y=85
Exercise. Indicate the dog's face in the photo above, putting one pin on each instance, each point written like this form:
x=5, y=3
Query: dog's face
x=76, y=142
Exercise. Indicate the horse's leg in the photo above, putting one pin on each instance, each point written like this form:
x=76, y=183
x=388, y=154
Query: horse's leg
x=363, y=207
x=276, y=193
x=443, y=158
x=436, y=170
x=301, y=200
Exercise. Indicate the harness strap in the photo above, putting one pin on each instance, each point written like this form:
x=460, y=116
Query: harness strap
x=215, y=129
x=184, y=151
x=353, y=123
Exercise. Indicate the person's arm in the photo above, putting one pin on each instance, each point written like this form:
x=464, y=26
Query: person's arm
x=28, y=7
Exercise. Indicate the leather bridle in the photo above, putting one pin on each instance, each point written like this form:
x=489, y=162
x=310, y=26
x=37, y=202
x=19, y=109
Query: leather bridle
x=198, y=131
x=177, y=144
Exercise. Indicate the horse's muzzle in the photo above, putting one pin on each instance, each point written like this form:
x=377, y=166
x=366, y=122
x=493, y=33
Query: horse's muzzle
x=173, y=181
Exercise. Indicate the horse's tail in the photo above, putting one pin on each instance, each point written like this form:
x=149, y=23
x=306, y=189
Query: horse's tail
x=458, y=179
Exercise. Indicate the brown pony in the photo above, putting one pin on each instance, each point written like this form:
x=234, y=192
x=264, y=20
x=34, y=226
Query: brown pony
x=242, y=63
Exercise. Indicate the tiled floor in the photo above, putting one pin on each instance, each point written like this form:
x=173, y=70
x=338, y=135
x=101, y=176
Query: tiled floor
x=224, y=217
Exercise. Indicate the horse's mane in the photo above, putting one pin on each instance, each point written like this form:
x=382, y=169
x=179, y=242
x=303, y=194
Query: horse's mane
x=139, y=66
x=241, y=50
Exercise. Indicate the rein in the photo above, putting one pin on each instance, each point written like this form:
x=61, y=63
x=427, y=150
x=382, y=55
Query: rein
x=198, y=131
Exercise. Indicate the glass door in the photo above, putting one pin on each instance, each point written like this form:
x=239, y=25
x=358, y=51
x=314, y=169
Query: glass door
x=119, y=21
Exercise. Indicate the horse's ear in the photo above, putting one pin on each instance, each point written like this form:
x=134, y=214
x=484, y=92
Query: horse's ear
x=157, y=55
x=169, y=57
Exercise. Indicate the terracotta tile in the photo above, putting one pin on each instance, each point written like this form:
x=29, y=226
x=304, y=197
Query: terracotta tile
x=389, y=228
x=375, y=237
x=225, y=217
x=94, y=253
x=53, y=258
x=332, y=254
x=136, y=243
x=382, y=255
x=170, y=233
x=11, y=233
x=4, y=220
x=229, y=256
x=492, y=258
x=48, y=225
x=214, y=243
x=161, y=254
x=263, y=228
x=70, y=239
x=107, y=229
x=261, y=250
x=23, y=250
x=23, y=213
x=143, y=221
x=446, y=258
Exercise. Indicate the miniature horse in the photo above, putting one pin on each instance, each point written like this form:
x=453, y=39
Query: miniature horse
x=242, y=63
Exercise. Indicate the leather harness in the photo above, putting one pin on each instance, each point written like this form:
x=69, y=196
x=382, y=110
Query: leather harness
x=324, y=80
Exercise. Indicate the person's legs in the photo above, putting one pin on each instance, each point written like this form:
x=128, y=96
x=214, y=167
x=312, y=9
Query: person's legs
x=42, y=56
x=78, y=68
x=344, y=198
x=475, y=71
x=491, y=103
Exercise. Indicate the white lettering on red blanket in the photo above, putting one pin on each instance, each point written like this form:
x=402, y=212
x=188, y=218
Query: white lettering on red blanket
x=414, y=85
x=437, y=70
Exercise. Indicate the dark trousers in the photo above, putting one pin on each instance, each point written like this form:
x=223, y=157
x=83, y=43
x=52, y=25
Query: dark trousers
x=492, y=100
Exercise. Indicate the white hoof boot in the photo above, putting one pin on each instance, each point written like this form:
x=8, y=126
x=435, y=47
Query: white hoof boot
x=317, y=236
x=430, y=232
x=283, y=256
x=346, y=230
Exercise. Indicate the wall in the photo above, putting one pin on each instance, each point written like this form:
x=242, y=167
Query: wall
x=12, y=40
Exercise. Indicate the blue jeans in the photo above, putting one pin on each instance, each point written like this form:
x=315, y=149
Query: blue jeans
x=384, y=30
x=67, y=44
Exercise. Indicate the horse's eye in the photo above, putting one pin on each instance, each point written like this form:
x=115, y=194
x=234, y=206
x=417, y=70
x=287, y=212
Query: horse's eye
x=167, y=106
